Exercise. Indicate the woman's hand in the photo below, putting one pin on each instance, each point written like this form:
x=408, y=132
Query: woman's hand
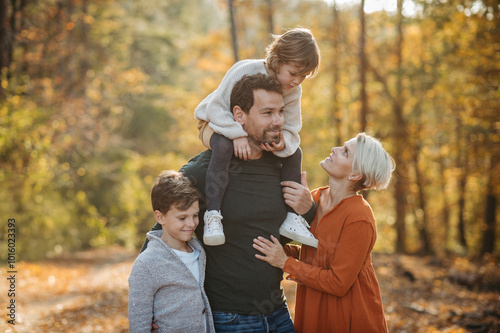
x=297, y=195
x=242, y=148
x=273, y=252
x=275, y=146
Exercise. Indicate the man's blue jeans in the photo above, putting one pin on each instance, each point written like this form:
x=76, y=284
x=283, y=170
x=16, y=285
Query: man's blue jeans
x=278, y=321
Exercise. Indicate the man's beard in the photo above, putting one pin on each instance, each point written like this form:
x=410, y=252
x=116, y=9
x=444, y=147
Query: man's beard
x=270, y=138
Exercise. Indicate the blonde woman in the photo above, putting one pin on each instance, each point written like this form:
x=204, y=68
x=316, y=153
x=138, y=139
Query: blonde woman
x=337, y=287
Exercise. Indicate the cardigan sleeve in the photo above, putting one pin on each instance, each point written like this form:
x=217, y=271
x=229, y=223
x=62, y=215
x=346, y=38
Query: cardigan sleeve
x=344, y=263
x=141, y=297
x=292, y=250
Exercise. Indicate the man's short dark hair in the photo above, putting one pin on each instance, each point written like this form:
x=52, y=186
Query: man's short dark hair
x=242, y=93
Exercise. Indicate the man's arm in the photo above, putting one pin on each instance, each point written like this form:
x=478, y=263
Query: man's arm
x=311, y=213
x=299, y=198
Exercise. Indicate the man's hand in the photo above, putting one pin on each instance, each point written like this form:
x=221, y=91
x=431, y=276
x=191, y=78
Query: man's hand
x=274, y=146
x=297, y=195
x=154, y=328
x=273, y=252
x=242, y=148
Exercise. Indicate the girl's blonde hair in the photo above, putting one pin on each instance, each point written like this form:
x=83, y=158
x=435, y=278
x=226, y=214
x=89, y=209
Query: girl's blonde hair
x=373, y=163
x=297, y=45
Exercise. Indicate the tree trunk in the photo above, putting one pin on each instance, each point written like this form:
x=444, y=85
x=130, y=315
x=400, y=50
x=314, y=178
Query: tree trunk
x=23, y=44
x=491, y=206
x=490, y=222
x=234, y=36
x=462, y=164
x=62, y=58
x=362, y=69
x=13, y=29
x=461, y=209
x=270, y=21
x=400, y=187
x=69, y=61
x=445, y=212
x=84, y=65
x=401, y=140
x=423, y=227
x=5, y=37
x=336, y=110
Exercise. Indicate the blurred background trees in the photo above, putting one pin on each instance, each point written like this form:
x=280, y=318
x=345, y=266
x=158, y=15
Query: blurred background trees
x=96, y=98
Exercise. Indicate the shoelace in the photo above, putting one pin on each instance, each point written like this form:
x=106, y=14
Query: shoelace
x=304, y=223
x=211, y=219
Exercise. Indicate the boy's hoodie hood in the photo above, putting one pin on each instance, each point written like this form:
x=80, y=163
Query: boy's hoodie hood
x=155, y=236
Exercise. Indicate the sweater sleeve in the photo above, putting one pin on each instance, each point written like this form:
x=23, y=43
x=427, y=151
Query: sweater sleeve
x=345, y=262
x=141, y=297
x=293, y=122
x=219, y=113
x=215, y=108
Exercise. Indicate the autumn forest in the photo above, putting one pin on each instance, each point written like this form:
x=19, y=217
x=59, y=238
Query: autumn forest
x=97, y=97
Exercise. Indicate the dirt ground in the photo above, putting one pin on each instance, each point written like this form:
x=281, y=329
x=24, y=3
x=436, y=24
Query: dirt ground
x=87, y=292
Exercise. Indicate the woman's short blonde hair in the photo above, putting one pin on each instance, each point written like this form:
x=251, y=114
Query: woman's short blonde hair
x=373, y=163
x=297, y=45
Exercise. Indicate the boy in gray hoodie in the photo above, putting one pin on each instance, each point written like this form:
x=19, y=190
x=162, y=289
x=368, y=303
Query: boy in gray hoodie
x=166, y=282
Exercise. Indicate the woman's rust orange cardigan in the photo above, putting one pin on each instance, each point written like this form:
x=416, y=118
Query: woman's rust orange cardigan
x=338, y=290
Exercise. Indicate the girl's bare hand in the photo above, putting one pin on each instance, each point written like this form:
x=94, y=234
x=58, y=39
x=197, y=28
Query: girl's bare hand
x=274, y=146
x=242, y=148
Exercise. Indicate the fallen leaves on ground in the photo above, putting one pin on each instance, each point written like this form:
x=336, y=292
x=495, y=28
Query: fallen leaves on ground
x=87, y=292
x=420, y=294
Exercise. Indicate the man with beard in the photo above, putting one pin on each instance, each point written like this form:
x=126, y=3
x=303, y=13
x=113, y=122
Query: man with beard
x=245, y=293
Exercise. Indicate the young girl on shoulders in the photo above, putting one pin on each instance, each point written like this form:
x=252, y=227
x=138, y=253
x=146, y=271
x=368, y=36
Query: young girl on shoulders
x=291, y=57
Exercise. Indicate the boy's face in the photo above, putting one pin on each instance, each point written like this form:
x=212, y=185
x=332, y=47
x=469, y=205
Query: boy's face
x=288, y=75
x=178, y=225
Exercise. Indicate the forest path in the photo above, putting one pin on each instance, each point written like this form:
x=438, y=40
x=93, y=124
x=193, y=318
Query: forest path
x=84, y=292
x=87, y=292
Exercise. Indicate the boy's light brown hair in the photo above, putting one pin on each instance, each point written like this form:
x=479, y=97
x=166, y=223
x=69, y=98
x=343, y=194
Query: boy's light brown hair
x=172, y=188
x=297, y=45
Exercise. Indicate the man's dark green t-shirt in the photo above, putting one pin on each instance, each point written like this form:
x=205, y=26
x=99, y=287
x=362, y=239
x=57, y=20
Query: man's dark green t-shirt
x=253, y=205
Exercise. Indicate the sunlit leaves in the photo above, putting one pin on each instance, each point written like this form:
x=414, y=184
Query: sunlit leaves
x=101, y=98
